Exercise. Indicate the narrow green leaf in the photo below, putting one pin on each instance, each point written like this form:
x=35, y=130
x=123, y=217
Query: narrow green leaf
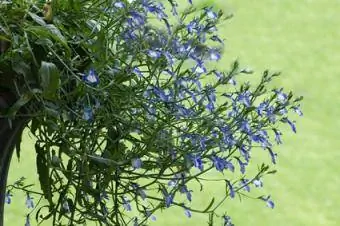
x=37, y=19
x=23, y=100
x=43, y=172
x=272, y=172
x=55, y=31
x=18, y=143
x=209, y=206
x=49, y=77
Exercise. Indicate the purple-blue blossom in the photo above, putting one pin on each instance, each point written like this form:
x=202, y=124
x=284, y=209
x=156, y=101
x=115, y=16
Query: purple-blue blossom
x=91, y=78
x=168, y=200
x=88, y=114
x=231, y=189
x=197, y=161
x=8, y=197
x=268, y=201
x=126, y=204
x=227, y=221
x=29, y=202
x=137, y=72
x=281, y=96
x=278, y=135
x=244, y=183
x=154, y=54
x=187, y=212
x=210, y=13
x=214, y=55
x=185, y=190
x=298, y=110
x=150, y=216
x=215, y=38
x=119, y=5
x=66, y=206
x=219, y=163
x=136, y=163
x=27, y=222
x=199, y=69
x=291, y=124
x=272, y=155
x=242, y=165
x=258, y=183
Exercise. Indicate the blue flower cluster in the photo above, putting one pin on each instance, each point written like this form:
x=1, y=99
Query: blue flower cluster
x=159, y=115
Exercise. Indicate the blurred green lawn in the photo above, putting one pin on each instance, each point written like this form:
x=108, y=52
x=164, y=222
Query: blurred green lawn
x=301, y=39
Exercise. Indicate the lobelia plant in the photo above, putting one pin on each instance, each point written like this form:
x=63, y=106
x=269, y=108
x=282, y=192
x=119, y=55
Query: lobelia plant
x=129, y=111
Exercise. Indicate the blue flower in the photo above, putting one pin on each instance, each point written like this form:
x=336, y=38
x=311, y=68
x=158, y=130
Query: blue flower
x=197, y=161
x=231, y=189
x=66, y=207
x=218, y=74
x=174, y=9
x=277, y=136
x=199, y=69
x=229, y=165
x=105, y=211
x=261, y=139
x=268, y=201
x=136, y=163
x=291, y=124
x=214, y=55
x=215, y=38
x=219, y=163
x=126, y=204
x=88, y=114
x=232, y=81
x=262, y=108
x=270, y=113
x=242, y=165
x=192, y=26
x=161, y=94
x=283, y=111
x=281, y=97
x=245, y=185
x=244, y=98
x=272, y=155
x=91, y=78
x=210, y=14
x=227, y=221
x=8, y=198
x=245, y=127
x=29, y=201
x=137, y=72
x=168, y=200
x=137, y=19
x=149, y=215
x=258, y=183
x=183, y=111
x=155, y=9
x=210, y=106
x=119, y=5
x=185, y=190
x=169, y=58
x=104, y=195
x=27, y=223
x=154, y=54
x=139, y=190
x=187, y=212
x=297, y=110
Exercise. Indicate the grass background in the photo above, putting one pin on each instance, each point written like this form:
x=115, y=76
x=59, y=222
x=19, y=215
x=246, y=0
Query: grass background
x=301, y=39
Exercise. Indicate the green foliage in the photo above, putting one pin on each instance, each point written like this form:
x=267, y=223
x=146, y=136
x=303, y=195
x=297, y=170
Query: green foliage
x=123, y=114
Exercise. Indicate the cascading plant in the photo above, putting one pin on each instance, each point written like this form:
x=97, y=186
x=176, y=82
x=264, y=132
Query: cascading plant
x=130, y=110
